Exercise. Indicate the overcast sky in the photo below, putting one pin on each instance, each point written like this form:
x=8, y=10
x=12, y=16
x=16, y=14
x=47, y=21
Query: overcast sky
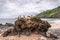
x=14, y=8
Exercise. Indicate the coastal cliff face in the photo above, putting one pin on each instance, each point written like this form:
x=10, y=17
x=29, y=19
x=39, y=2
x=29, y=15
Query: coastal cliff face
x=54, y=13
x=27, y=26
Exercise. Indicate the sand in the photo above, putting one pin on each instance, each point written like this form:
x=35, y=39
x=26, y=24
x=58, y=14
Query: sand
x=55, y=25
x=24, y=37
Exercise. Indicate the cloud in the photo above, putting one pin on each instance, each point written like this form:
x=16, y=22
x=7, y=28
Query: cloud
x=14, y=8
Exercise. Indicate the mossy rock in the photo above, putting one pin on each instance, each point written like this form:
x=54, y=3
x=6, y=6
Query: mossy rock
x=32, y=23
x=28, y=25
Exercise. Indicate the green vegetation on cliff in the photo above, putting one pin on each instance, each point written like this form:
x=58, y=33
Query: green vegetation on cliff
x=54, y=13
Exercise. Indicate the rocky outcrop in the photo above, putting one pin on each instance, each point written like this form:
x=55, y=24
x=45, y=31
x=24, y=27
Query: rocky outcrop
x=9, y=24
x=28, y=25
x=1, y=24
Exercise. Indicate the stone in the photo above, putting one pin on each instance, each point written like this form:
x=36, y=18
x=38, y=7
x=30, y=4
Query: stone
x=9, y=24
x=28, y=25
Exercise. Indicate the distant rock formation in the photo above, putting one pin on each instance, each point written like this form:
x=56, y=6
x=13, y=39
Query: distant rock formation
x=28, y=25
x=1, y=24
x=9, y=24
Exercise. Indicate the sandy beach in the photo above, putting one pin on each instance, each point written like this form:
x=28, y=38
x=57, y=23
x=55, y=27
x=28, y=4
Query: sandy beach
x=24, y=37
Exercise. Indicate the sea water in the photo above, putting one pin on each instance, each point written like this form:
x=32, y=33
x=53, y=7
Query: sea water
x=51, y=19
x=12, y=20
x=7, y=20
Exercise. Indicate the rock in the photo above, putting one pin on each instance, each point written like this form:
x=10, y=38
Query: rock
x=9, y=24
x=32, y=24
x=53, y=36
x=6, y=33
x=53, y=33
x=28, y=25
x=26, y=32
x=9, y=31
x=1, y=24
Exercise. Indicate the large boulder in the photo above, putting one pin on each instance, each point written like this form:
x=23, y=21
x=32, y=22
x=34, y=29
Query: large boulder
x=31, y=25
x=28, y=25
